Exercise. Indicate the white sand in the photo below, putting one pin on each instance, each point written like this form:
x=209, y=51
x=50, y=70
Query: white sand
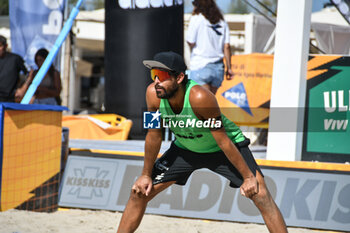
x=89, y=221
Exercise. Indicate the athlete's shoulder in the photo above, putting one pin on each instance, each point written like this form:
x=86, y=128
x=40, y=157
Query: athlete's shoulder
x=202, y=97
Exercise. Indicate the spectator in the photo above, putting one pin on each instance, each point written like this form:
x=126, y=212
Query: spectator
x=48, y=92
x=10, y=67
x=208, y=36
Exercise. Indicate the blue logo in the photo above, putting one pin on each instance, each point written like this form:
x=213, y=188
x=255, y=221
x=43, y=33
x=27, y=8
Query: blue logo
x=238, y=96
x=151, y=120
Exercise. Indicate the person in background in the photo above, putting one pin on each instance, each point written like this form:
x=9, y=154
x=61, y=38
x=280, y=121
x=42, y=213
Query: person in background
x=48, y=92
x=208, y=36
x=10, y=67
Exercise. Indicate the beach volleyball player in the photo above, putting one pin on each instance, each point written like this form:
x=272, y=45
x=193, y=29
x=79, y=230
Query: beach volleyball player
x=204, y=139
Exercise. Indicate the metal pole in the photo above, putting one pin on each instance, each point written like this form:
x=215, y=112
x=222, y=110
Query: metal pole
x=65, y=51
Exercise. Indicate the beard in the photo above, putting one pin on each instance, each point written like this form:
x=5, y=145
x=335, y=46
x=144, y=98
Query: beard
x=166, y=94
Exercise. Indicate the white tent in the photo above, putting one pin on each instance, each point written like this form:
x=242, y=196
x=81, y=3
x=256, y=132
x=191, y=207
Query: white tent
x=329, y=15
x=90, y=30
x=332, y=31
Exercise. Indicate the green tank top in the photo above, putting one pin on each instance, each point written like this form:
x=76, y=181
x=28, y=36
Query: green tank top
x=190, y=132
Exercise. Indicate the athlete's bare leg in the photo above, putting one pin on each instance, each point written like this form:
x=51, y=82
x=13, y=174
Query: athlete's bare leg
x=136, y=206
x=137, y=203
x=268, y=208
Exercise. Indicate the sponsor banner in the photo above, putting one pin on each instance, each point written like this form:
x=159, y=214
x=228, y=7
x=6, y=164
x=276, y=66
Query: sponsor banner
x=246, y=101
x=246, y=98
x=313, y=199
x=34, y=24
x=328, y=107
x=142, y=4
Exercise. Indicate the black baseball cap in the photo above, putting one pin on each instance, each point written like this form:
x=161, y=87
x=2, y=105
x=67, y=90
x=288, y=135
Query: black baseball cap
x=167, y=60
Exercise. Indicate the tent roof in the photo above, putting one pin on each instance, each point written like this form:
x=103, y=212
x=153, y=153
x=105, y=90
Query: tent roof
x=96, y=15
x=329, y=15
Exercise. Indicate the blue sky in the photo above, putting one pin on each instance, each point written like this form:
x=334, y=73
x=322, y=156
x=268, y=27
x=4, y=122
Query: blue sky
x=317, y=5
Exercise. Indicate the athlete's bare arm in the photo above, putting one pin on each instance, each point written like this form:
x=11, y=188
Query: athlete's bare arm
x=205, y=106
x=153, y=142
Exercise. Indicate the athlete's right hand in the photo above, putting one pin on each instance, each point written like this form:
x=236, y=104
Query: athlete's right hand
x=143, y=185
x=250, y=187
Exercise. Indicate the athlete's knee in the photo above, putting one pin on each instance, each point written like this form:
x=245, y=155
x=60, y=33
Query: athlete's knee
x=263, y=198
x=138, y=197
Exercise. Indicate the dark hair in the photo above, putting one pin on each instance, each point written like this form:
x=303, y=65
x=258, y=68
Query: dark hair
x=44, y=53
x=209, y=9
x=185, y=80
x=175, y=74
x=3, y=40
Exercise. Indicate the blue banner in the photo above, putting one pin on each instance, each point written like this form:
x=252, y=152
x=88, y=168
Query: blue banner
x=49, y=59
x=34, y=24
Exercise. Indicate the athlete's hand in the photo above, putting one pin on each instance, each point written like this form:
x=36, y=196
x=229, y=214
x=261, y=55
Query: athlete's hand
x=142, y=185
x=250, y=187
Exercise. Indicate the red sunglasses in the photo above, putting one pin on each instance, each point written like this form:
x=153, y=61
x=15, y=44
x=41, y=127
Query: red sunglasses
x=162, y=75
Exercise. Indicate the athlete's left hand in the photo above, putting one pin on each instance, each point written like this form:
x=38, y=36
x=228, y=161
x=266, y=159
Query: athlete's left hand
x=250, y=187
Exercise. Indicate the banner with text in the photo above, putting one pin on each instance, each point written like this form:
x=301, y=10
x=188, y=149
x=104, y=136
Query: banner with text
x=246, y=98
x=314, y=199
x=328, y=109
x=34, y=24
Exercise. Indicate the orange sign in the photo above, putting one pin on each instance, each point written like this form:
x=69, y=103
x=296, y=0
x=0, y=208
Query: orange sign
x=246, y=98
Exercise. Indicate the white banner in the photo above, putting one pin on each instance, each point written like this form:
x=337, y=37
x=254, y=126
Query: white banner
x=312, y=199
